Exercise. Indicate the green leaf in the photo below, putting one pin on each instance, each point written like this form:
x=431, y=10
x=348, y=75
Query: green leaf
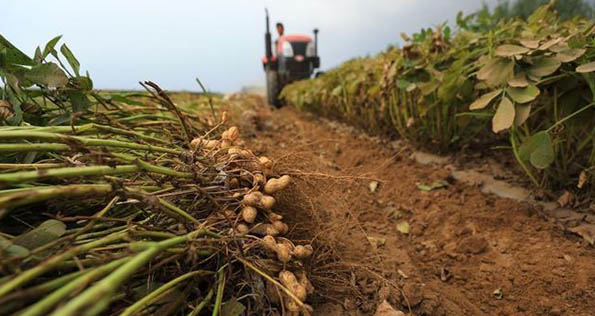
x=508, y=50
x=79, y=100
x=11, y=249
x=83, y=82
x=497, y=71
x=504, y=117
x=37, y=57
x=45, y=233
x=484, y=100
x=74, y=63
x=570, y=54
x=544, y=66
x=403, y=227
x=49, y=47
x=47, y=74
x=589, y=67
x=523, y=95
x=538, y=149
x=13, y=55
x=232, y=308
x=521, y=115
x=403, y=84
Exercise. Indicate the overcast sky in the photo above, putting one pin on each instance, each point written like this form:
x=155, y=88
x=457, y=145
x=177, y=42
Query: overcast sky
x=172, y=42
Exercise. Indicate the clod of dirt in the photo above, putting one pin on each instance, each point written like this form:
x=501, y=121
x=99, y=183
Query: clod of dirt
x=250, y=123
x=587, y=231
x=330, y=309
x=376, y=241
x=413, y=294
x=384, y=309
x=473, y=245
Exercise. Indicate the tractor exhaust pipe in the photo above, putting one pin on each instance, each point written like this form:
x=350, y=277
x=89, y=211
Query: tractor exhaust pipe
x=316, y=42
x=267, y=38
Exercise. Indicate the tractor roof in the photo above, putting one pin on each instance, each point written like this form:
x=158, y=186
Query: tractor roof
x=295, y=38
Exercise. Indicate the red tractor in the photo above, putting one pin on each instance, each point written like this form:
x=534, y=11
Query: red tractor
x=295, y=58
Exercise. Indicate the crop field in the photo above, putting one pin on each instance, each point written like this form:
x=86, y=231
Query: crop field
x=454, y=175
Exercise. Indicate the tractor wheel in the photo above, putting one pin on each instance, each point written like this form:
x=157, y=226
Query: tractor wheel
x=273, y=88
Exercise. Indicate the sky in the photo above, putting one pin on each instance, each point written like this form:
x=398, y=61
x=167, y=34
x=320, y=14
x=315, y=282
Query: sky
x=121, y=42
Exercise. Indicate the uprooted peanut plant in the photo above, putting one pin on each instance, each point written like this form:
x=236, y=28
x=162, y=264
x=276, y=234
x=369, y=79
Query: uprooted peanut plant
x=128, y=204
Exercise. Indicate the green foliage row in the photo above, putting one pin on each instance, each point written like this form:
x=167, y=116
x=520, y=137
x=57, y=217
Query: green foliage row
x=532, y=81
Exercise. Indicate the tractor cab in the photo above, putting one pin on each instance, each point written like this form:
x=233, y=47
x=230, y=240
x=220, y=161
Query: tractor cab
x=295, y=58
x=296, y=55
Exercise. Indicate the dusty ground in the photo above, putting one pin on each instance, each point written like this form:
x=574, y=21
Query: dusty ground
x=466, y=253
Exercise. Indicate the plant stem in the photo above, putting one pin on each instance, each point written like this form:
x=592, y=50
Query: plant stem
x=145, y=301
x=520, y=161
x=202, y=303
x=21, y=166
x=569, y=117
x=112, y=282
x=220, y=287
x=54, y=261
x=41, y=307
x=15, y=148
x=12, y=200
x=74, y=140
x=27, y=176
x=178, y=211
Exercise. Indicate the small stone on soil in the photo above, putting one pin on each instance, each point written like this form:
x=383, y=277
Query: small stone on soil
x=384, y=309
x=473, y=244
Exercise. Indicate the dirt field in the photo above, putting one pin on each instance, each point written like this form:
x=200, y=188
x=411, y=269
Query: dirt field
x=465, y=253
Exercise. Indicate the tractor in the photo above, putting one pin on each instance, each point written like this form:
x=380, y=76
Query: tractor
x=295, y=58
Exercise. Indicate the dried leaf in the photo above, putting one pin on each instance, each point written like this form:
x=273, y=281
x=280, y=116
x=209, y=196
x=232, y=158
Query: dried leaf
x=435, y=185
x=497, y=71
x=570, y=54
x=589, y=67
x=565, y=199
x=582, y=179
x=403, y=227
x=550, y=43
x=484, y=100
x=521, y=115
x=508, y=50
x=504, y=117
x=529, y=43
x=373, y=186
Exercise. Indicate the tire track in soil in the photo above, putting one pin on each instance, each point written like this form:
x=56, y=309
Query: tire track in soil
x=463, y=249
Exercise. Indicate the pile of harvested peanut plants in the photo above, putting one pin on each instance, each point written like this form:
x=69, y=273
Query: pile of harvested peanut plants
x=134, y=205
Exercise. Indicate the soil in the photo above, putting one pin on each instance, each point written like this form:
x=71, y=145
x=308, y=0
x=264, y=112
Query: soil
x=378, y=237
